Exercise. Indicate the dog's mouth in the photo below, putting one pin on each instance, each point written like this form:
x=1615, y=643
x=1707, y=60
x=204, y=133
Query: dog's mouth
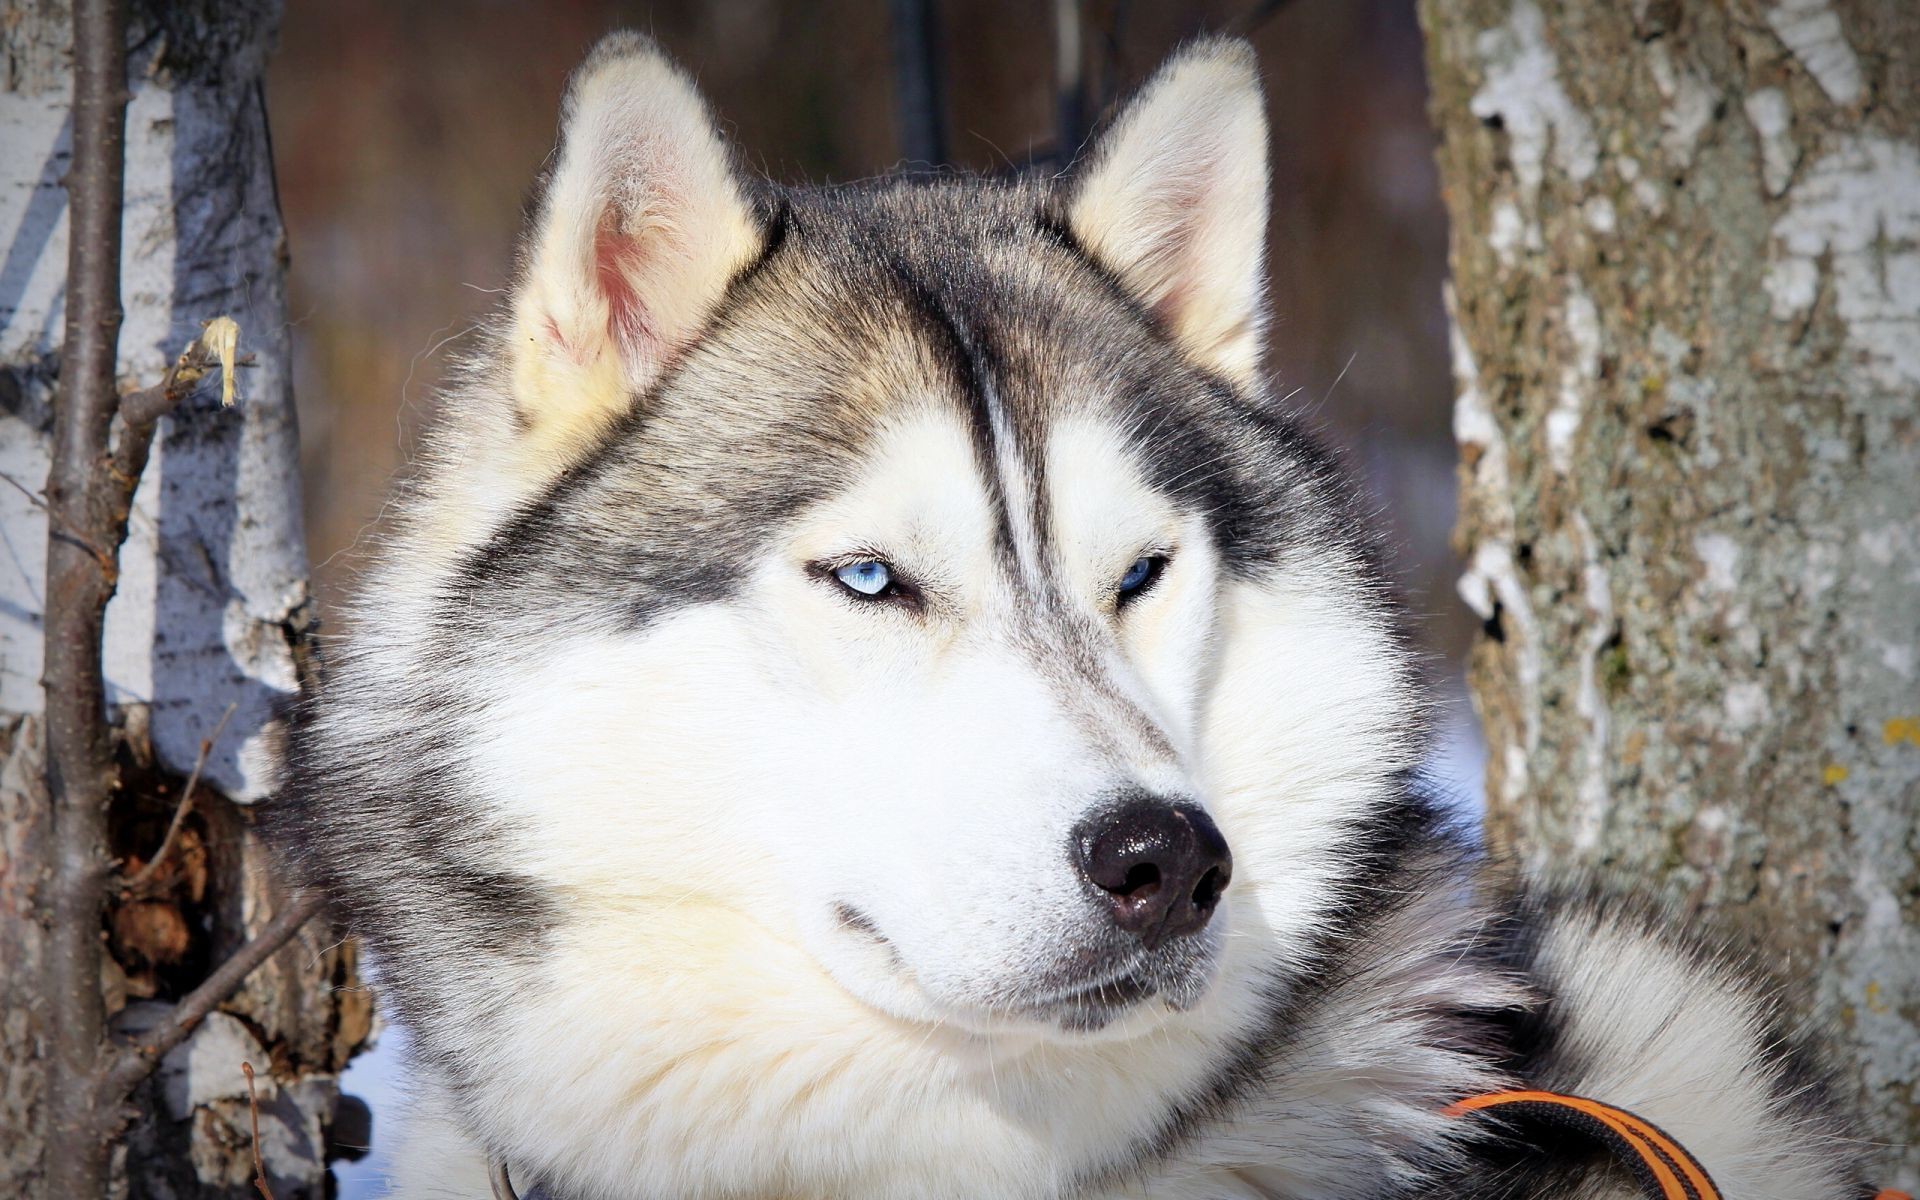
x=1085, y=996
x=1093, y=1006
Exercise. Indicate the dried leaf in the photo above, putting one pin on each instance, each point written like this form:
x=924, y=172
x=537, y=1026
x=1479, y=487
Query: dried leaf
x=221, y=336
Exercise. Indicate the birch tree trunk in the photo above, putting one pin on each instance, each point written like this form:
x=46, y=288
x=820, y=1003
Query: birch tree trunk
x=210, y=613
x=1686, y=305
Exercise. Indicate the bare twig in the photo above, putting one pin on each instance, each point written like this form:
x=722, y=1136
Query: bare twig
x=81, y=519
x=202, y=355
x=917, y=75
x=91, y=480
x=140, y=411
x=134, y=1063
x=253, y=1118
x=34, y=498
x=89, y=497
x=185, y=805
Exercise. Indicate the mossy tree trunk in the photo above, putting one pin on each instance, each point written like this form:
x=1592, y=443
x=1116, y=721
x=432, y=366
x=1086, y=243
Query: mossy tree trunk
x=1686, y=305
x=209, y=617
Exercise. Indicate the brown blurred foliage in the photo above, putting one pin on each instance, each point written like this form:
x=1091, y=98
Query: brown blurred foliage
x=407, y=135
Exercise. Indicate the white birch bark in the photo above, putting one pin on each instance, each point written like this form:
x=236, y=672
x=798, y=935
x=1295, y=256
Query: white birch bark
x=211, y=608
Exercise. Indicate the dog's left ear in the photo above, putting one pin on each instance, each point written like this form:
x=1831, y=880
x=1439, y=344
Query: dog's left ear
x=644, y=223
x=1173, y=200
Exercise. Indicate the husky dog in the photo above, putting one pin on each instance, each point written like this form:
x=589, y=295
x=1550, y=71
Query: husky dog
x=869, y=697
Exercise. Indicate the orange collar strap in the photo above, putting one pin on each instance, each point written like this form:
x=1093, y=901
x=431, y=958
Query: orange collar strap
x=1664, y=1168
x=1661, y=1164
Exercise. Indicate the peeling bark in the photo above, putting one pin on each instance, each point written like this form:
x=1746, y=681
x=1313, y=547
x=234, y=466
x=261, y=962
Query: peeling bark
x=1686, y=305
x=210, y=611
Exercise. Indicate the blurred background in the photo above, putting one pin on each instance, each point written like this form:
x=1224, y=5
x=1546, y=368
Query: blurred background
x=406, y=136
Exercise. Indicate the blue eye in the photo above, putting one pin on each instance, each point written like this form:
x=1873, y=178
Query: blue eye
x=868, y=577
x=1143, y=572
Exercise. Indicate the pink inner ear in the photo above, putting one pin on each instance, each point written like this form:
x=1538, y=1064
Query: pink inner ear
x=618, y=260
x=1178, y=210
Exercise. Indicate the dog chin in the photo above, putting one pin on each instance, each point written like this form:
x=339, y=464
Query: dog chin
x=1129, y=1003
x=1101, y=1007
x=1114, y=1010
x=1122, y=1003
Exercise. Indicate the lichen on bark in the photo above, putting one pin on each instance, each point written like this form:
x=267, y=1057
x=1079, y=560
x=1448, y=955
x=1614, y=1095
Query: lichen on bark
x=1686, y=295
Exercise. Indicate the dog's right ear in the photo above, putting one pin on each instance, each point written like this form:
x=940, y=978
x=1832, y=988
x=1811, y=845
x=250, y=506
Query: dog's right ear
x=1173, y=200
x=643, y=224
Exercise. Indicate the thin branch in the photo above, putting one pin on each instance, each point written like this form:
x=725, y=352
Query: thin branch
x=34, y=498
x=212, y=348
x=135, y=1063
x=82, y=518
x=140, y=411
x=90, y=489
x=253, y=1118
x=917, y=79
x=181, y=809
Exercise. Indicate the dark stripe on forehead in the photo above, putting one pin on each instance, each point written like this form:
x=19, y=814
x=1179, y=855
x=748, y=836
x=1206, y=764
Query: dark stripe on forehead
x=1054, y=633
x=1015, y=432
x=973, y=374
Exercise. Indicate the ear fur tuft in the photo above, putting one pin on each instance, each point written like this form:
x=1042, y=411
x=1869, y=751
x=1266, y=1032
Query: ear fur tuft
x=1173, y=199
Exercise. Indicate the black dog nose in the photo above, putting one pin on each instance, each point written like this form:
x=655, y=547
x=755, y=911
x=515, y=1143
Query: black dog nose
x=1163, y=866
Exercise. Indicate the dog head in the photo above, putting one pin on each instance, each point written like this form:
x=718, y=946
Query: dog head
x=854, y=645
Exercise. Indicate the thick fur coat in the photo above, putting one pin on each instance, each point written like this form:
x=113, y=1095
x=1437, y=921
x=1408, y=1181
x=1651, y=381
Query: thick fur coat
x=868, y=696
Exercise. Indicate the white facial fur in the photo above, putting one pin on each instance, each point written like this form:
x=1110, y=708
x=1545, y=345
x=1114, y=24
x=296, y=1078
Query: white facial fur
x=923, y=769
x=707, y=794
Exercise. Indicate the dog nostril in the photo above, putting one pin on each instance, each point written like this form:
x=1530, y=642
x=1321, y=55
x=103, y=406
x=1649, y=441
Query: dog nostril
x=1142, y=881
x=1206, y=893
x=1163, y=866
